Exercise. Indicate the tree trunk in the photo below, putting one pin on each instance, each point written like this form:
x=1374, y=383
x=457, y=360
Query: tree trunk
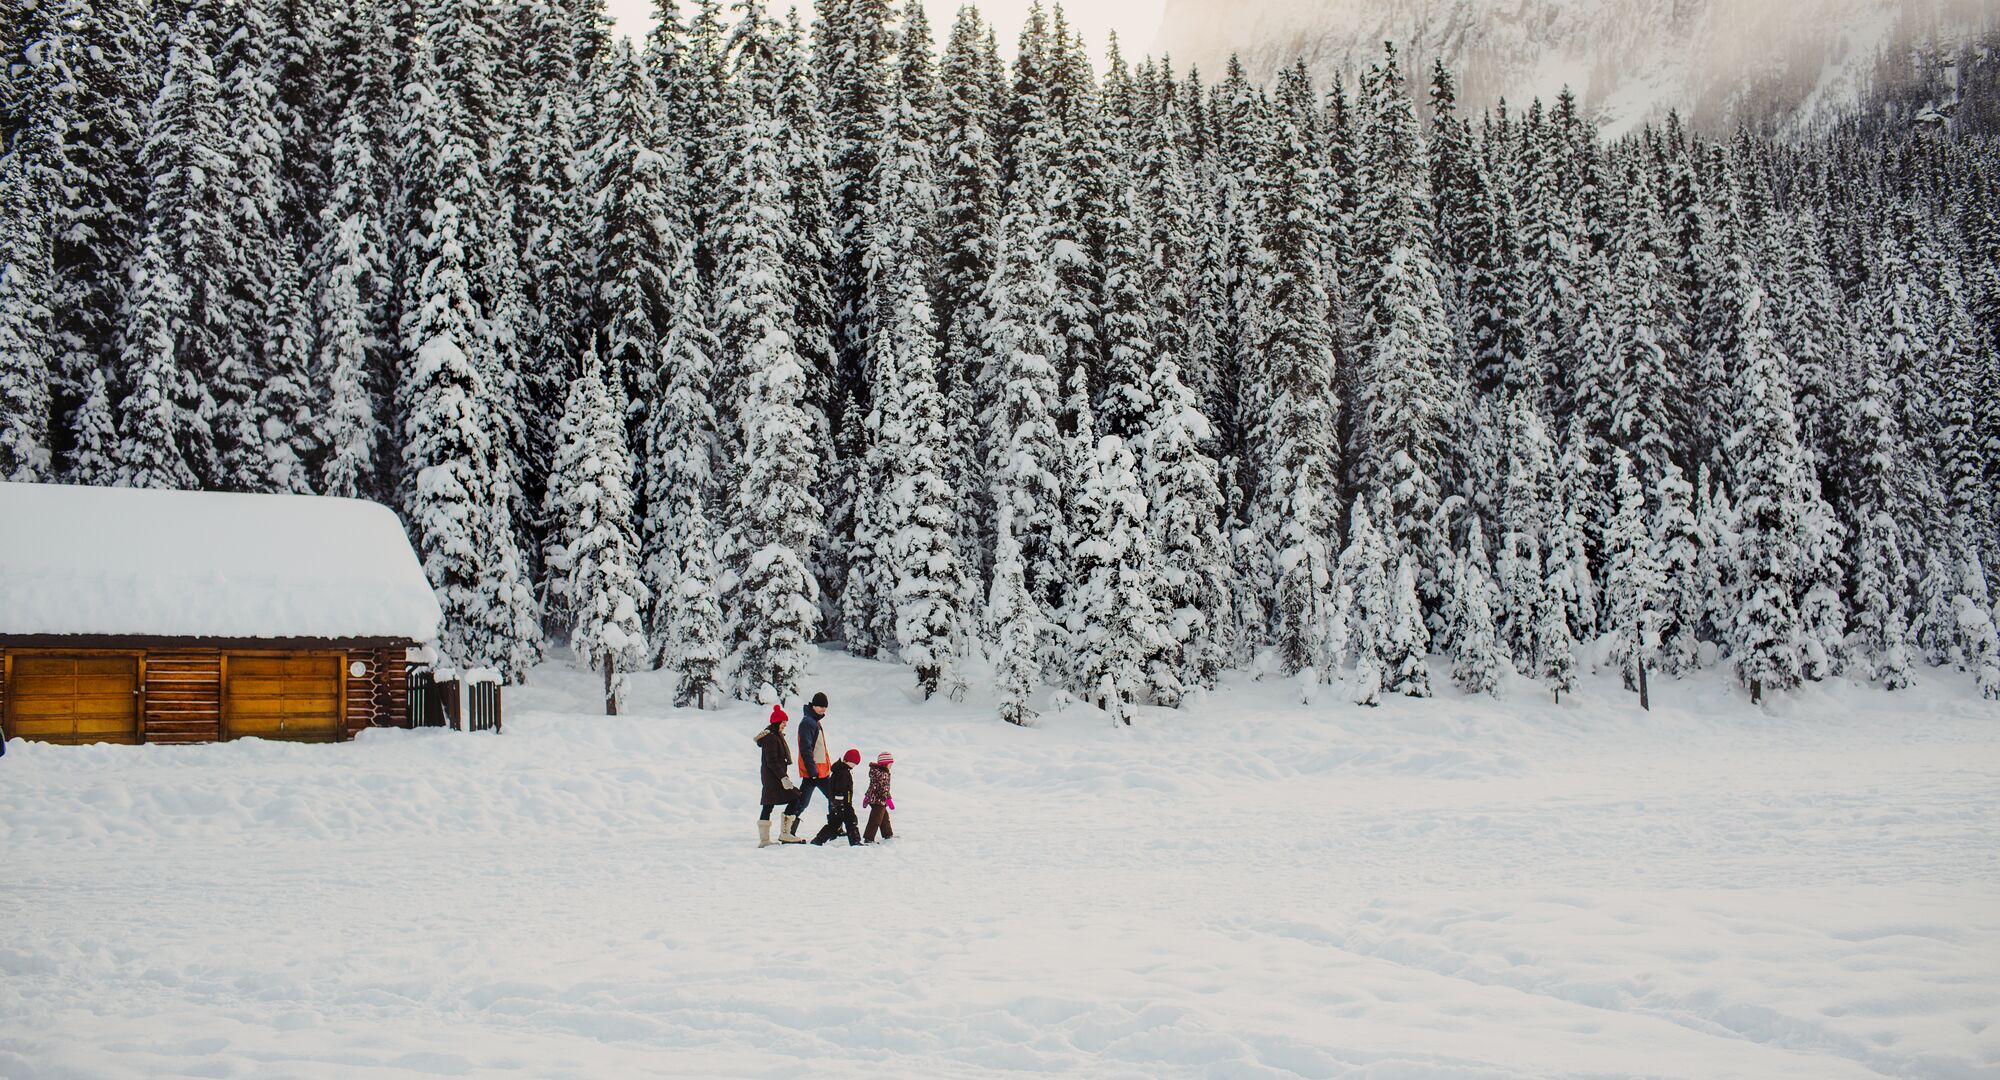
x=1756, y=691
x=1645, y=700
x=610, y=698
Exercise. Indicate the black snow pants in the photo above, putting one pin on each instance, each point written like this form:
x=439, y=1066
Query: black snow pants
x=840, y=818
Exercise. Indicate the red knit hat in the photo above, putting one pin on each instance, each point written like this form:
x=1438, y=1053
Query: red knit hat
x=852, y=757
x=883, y=758
x=778, y=714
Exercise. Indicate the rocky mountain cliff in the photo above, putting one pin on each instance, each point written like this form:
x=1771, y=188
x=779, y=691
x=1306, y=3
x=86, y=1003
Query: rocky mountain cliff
x=1778, y=65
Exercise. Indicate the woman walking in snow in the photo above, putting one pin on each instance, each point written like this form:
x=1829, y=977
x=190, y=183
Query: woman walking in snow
x=779, y=788
x=878, y=799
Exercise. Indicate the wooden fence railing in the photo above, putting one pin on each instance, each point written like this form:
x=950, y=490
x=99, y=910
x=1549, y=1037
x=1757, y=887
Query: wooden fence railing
x=472, y=704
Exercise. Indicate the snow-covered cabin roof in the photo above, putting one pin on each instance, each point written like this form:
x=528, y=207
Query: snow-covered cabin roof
x=89, y=560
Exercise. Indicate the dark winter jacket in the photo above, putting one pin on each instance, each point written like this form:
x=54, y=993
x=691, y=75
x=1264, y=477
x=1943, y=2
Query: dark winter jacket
x=777, y=762
x=812, y=746
x=840, y=783
x=878, y=785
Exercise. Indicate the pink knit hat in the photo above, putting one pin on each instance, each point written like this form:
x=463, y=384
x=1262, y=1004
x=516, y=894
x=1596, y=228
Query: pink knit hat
x=883, y=758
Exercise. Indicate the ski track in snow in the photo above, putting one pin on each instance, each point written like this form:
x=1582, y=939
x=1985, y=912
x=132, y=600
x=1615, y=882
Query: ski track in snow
x=1444, y=889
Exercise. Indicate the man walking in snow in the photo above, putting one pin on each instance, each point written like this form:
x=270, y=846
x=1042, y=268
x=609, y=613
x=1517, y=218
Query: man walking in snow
x=815, y=763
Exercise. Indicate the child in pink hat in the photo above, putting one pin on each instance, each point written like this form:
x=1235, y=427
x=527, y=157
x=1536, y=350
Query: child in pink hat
x=878, y=799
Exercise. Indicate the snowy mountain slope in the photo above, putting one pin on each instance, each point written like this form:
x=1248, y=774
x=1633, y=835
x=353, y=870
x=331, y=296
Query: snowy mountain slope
x=1428, y=890
x=1787, y=62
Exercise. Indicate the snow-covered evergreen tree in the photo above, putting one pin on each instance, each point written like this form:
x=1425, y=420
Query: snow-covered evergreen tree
x=1881, y=614
x=163, y=436
x=79, y=85
x=677, y=537
x=771, y=596
x=350, y=269
x=1529, y=485
x=693, y=645
x=176, y=312
x=808, y=197
x=1934, y=612
x=1124, y=313
x=1296, y=511
x=969, y=204
x=286, y=407
x=248, y=67
x=1823, y=651
x=1978, y=645
x=1183, y=506
x=447, y=451
x=91, y=459
x=1362, y=613
x=594, y=584
x=853, y=54
x=1554, y=641
x=1633, y=588
x=924, y=581
x=1897, y=319
x=549, y=190
x=1025, y=449
x=1815, y=329
x=1115, y=628
x=1770, y=500
x=27, y=354
x=867, y=617
x=1478, y=663
x=1017, y=622
x=1396, y=428
x=1566, y=562
x=1679, y=559
x=1407, y=640
x=1645, y=348
x=1080, y=466
x=635, y=218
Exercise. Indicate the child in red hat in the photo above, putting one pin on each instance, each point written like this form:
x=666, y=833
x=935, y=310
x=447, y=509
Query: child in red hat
x=840, y=802
x=878, y=799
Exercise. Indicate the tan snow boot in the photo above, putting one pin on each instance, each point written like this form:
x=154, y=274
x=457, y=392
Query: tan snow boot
x=764, y=833
x=790, y=835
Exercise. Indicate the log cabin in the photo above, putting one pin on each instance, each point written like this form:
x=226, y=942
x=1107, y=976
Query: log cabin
x=139, y=616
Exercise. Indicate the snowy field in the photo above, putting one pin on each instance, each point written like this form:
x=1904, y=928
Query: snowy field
x=1252, y=888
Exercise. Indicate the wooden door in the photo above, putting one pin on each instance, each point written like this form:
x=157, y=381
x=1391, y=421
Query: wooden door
x=292, y=696
x=74, y=699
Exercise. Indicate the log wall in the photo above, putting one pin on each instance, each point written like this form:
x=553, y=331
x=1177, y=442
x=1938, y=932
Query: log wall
x=182, y=688
x=183, y=697
x=378, y=698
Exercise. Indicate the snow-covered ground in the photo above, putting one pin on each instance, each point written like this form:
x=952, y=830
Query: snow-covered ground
x=1249, y=888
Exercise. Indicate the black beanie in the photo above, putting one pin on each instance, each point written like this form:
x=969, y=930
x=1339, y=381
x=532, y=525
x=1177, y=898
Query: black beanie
x=819, y=699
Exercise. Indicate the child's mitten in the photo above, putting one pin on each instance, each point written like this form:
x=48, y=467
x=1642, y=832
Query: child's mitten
x=890, y=803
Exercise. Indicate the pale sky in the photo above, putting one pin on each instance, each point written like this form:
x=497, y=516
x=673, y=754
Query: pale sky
x=1135, y=21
